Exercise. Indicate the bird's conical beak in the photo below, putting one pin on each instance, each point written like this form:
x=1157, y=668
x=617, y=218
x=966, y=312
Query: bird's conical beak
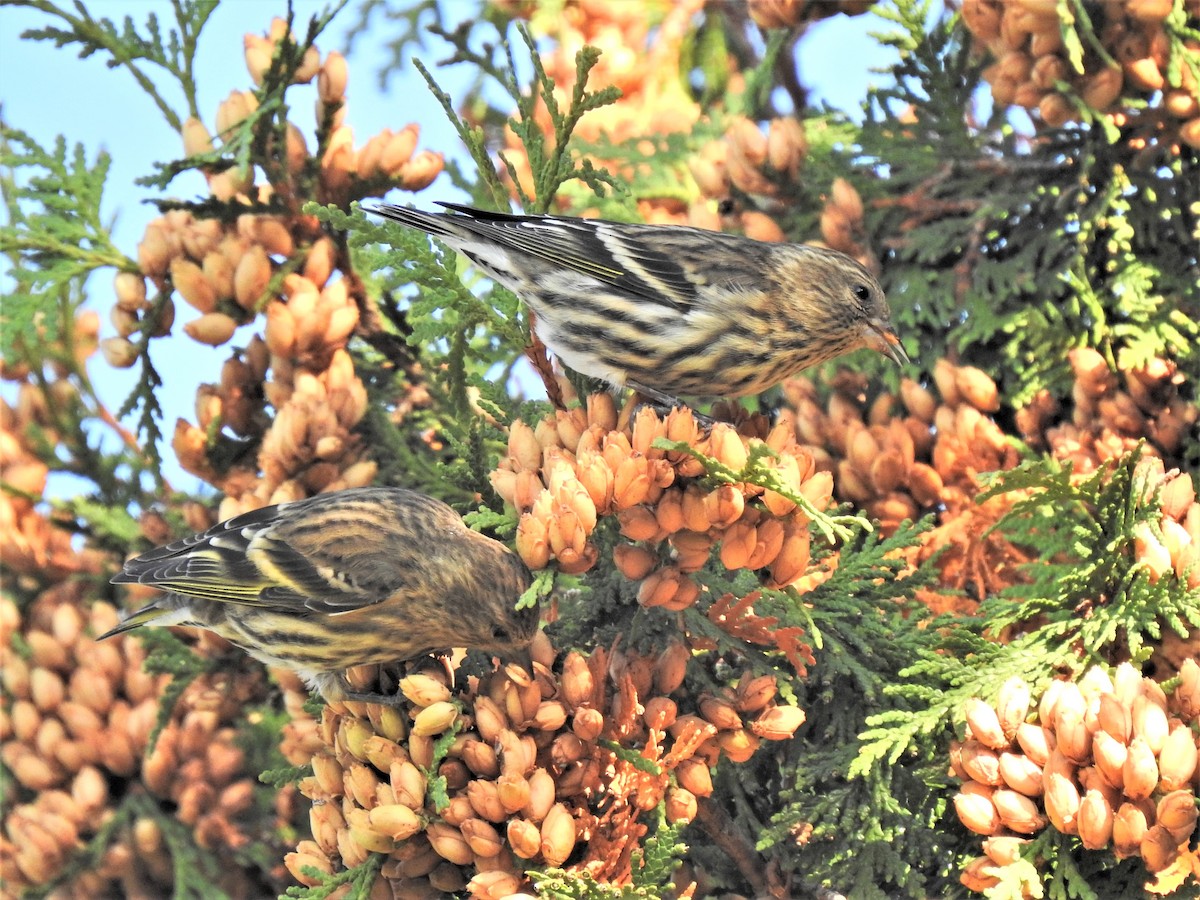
x=518, y=656
x=889, y=345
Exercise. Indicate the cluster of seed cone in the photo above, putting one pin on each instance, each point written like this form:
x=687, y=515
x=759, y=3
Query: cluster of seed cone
x=1112, y=413
x=74, y=736
x=790, y=13
x=1110, y=759
x=559, y=769
x=576, y=467
x=299, y=366
x=1137, y=63
x=925, y=459
x=843, y=226
x=30, y=545
x=286, y=268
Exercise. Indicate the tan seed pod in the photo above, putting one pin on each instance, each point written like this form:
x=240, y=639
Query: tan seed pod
x=1129, y=827
x=977, y=388
x=587, y=724
x=671, y=667
x=558, y=833
x=1140, y=771
x=977, y=812
x=1074, y=738
x=1017, y=812
x=189, y=280
x=693, y=775
x=1176, y=811
x=424, y=690
x=1062, y=803
x=484, y=797
x=408, y=784
x=482, y=837
x=1012, y=705
x=755, y=693
x=46, y=689
x=1114, y=718
x=130, y=291
x=980, y=763
x=576, y=681
x=1179, y=759
x=1021, y=773
x=1110, y=756
x=681, y=805
x=448, y=842
x=213, y=329
x=985, y=724
x=1101, y=90
x=793, y=558
x=481, y=758
x=490, y=720
x=154, y=252
x=395, y=820
x=434, y=719
x=779, y=723
x=524, y=837
x=251, y=277
x=551, y=715
x=1149, y=722
x=513, y=792
x=398, y=150
x=721, y=713
x=660, y=713
x=634, y=562
x=541, y=795
x=1158, y=848
x=119, y=352
x=1095, y=820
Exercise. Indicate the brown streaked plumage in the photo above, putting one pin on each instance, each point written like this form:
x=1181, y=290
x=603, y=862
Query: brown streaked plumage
x=349, y=578
x=669, y=310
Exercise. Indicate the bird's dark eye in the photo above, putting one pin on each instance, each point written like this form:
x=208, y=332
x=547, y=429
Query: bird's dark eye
x=862, y=292
x=500, y=633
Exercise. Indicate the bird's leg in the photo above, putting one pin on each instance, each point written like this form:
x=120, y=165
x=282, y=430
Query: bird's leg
x=396, y=699
x=663, y=403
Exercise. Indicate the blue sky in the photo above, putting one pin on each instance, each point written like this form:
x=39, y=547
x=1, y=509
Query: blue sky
x=47, y=91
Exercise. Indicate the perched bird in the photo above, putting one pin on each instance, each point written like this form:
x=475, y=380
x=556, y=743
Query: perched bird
x=368, y=575
x=667, y=310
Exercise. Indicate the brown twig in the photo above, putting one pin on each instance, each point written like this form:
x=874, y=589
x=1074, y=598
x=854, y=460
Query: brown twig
x=538, y=356
x=718, y=825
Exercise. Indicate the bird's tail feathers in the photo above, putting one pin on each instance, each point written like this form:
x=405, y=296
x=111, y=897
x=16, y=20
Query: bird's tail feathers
x=143, y=616
x=438, y=224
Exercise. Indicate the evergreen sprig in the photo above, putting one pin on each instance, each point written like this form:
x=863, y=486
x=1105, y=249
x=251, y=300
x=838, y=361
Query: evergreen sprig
x=552, y=161
x=360, y=880
x=757, y=471
x=54, y=237
x=652, y=868
x=1091, y=597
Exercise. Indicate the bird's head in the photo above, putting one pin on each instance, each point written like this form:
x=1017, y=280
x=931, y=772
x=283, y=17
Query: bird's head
x=841, y=303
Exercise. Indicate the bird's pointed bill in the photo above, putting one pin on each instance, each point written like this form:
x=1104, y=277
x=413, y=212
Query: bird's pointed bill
x=887, y=343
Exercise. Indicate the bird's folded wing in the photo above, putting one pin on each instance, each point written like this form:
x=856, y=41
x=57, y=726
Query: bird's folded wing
x=251, y=560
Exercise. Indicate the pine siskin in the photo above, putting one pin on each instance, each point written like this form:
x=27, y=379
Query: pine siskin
x=349, y=578
x=667, y=310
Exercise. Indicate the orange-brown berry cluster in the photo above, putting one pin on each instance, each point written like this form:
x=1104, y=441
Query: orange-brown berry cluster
x=531, y=776
x=1113, y=413
x=1110, y=759
x=74, y=735
x=1131, y=67
x=578, y=466
x=790, y=13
